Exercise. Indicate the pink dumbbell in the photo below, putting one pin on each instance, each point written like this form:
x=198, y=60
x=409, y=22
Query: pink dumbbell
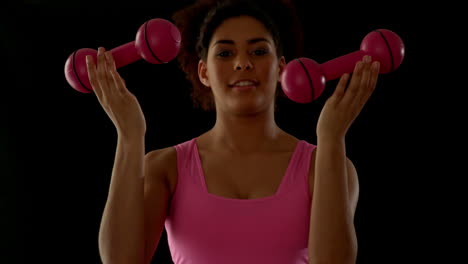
x=303, y=80
x=157, y=41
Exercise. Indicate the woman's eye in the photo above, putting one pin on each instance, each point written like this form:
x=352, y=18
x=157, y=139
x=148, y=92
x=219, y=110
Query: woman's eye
x=260, y=52
x=224, y=53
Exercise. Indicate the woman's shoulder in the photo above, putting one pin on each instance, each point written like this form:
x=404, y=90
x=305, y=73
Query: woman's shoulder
x=162, y=163
x=166, y=155
x=160, y=155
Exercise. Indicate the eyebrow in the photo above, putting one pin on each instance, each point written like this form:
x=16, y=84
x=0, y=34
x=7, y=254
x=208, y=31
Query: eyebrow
x=250, y=41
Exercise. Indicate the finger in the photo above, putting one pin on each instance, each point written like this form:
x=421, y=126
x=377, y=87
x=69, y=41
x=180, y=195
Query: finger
x=102, y=72
x=123, y=86
x=118, y=82
x=351, y=92
x=341, y=87
x=112, y=69
x=365, y=74
x=92, y=75
x=363, y=91
x=108, y=67
x=375, y=70
x=373, y=76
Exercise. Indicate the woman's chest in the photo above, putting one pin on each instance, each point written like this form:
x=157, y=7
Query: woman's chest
x=244, y=177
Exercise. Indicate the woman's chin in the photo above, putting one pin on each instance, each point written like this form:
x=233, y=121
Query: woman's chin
x=246, y=108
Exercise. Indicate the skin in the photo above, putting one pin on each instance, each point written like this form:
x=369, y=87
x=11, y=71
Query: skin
x=244, y=120
x=245, y=125
x=118, y=102
x=122, y=229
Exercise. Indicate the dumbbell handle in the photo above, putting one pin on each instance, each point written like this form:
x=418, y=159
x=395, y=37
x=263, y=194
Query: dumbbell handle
x=335, y=68
x=128, y=54
x=125, y=54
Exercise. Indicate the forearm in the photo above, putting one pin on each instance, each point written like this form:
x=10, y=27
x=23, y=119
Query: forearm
x=121, y=233
x=333, y=238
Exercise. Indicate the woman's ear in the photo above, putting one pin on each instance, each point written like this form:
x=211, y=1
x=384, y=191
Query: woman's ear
x=281, y=65
x=202, y=73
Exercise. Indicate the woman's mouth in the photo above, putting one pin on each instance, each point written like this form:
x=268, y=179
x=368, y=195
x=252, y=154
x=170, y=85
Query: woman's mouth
x=244, y=85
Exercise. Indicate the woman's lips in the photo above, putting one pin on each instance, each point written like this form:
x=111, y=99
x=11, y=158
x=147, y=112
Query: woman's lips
x=244, y=84
x=244, y=88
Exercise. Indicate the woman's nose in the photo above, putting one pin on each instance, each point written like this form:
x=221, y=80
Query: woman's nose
x=243, y=63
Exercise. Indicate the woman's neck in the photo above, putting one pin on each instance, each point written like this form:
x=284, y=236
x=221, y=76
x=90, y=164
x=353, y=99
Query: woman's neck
x=245, y=134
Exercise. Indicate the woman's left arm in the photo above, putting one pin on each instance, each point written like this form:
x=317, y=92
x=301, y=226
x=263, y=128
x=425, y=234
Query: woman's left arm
x=332, y=236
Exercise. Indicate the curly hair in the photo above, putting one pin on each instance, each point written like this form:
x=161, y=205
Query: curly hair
x=198, y=21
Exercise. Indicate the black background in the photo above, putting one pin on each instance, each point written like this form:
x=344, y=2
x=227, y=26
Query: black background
x=60, y=144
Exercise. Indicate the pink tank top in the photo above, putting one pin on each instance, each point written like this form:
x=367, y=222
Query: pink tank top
x=204, y=228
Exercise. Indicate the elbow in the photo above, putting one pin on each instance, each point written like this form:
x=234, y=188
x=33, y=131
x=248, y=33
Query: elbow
x=119, y=258
x=345, y=253
x=336, y=259
x=114, y=254
x=349, y=258
x=121, y=261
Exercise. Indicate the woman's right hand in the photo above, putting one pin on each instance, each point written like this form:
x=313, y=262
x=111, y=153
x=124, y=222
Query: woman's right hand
x=121, y=106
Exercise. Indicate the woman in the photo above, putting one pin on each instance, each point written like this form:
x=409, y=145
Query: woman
x=245, y=191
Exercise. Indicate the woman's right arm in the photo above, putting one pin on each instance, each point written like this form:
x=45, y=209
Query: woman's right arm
x=136, y=208
x=122, y=232
x=138, y=191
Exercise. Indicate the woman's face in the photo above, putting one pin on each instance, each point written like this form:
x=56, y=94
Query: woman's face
x=241, y=48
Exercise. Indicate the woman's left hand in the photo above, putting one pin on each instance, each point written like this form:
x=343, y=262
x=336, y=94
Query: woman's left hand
x=345, y=104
